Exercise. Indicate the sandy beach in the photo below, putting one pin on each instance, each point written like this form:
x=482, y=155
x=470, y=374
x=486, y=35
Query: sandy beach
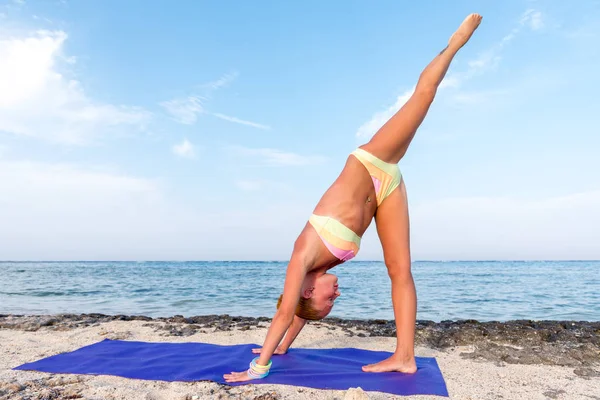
x=478, y=360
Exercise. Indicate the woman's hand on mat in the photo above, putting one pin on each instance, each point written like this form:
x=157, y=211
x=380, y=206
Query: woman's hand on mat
x=278, y=350
x=237, y=377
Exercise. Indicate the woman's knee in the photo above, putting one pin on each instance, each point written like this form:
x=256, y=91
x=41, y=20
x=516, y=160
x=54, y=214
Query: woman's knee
x=399, y=269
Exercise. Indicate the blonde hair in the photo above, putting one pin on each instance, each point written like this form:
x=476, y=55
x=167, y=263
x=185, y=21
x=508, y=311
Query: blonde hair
x=304, y=309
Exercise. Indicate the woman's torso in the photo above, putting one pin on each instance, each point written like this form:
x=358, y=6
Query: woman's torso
x=351, y=198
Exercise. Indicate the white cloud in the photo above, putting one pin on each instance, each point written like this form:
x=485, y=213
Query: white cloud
x=223, y=81
x=241, y=121
x=38, y=18
x=275, y=157
x=184, y=149
x=536, y=21
x=185, y=110
x=491, y=57
x=370, y=127
x=485, y=61
x=450, y=81
x=533, y=19
x=37, y=100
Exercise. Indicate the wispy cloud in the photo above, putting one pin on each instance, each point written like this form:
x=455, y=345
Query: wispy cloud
x=490, y=58
x=38, y=18
x=450, y=81
x=533, y=19
x=223, y=81
x=485, y=61
x=241, y=121
x=369, y=128
x=184, y=149
x=37, y=100
x=186, y=110
x=275, y=157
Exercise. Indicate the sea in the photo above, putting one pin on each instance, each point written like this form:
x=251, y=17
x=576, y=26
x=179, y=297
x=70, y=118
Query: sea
x=457, y=290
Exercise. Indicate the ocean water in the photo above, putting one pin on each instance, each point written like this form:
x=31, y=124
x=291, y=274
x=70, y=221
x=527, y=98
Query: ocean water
x=483, y=290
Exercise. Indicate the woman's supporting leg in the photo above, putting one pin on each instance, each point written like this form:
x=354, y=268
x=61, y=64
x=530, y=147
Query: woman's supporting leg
x=394, y=232
x=391, y=141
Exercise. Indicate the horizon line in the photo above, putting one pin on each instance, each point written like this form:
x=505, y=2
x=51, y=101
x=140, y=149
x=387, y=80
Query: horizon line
x=283, y=261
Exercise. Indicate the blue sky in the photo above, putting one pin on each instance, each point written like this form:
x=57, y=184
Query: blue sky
x=209, y=130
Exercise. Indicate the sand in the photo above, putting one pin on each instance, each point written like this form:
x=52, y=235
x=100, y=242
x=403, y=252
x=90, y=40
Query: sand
x=465, y=378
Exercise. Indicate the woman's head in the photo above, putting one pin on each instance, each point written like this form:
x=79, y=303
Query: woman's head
x=318, y=295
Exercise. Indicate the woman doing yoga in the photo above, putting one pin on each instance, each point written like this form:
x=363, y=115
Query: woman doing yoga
x=370, y=186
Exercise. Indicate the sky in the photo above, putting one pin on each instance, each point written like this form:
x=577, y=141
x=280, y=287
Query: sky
x=209, y=130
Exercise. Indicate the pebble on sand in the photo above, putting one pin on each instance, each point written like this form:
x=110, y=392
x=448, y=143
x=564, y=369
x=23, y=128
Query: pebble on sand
x=356, y=394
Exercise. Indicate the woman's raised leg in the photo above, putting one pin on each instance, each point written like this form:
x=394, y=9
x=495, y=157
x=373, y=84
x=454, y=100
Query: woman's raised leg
x=391, y=141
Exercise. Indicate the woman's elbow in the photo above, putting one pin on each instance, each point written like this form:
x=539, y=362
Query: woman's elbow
x=283, y=316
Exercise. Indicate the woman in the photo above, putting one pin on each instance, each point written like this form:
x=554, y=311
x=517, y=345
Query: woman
x=370, y=185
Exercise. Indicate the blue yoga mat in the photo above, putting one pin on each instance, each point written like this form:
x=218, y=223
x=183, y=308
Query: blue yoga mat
x=315, y=368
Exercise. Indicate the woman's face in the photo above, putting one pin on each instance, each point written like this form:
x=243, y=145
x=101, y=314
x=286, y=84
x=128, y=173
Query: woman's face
x=324, y=293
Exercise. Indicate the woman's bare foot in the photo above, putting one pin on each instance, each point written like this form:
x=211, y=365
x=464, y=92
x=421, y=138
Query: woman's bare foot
x=464, y=31
x=392, y=364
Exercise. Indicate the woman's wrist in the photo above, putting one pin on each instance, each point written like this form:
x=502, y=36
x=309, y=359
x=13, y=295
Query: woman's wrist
x=258, y=371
